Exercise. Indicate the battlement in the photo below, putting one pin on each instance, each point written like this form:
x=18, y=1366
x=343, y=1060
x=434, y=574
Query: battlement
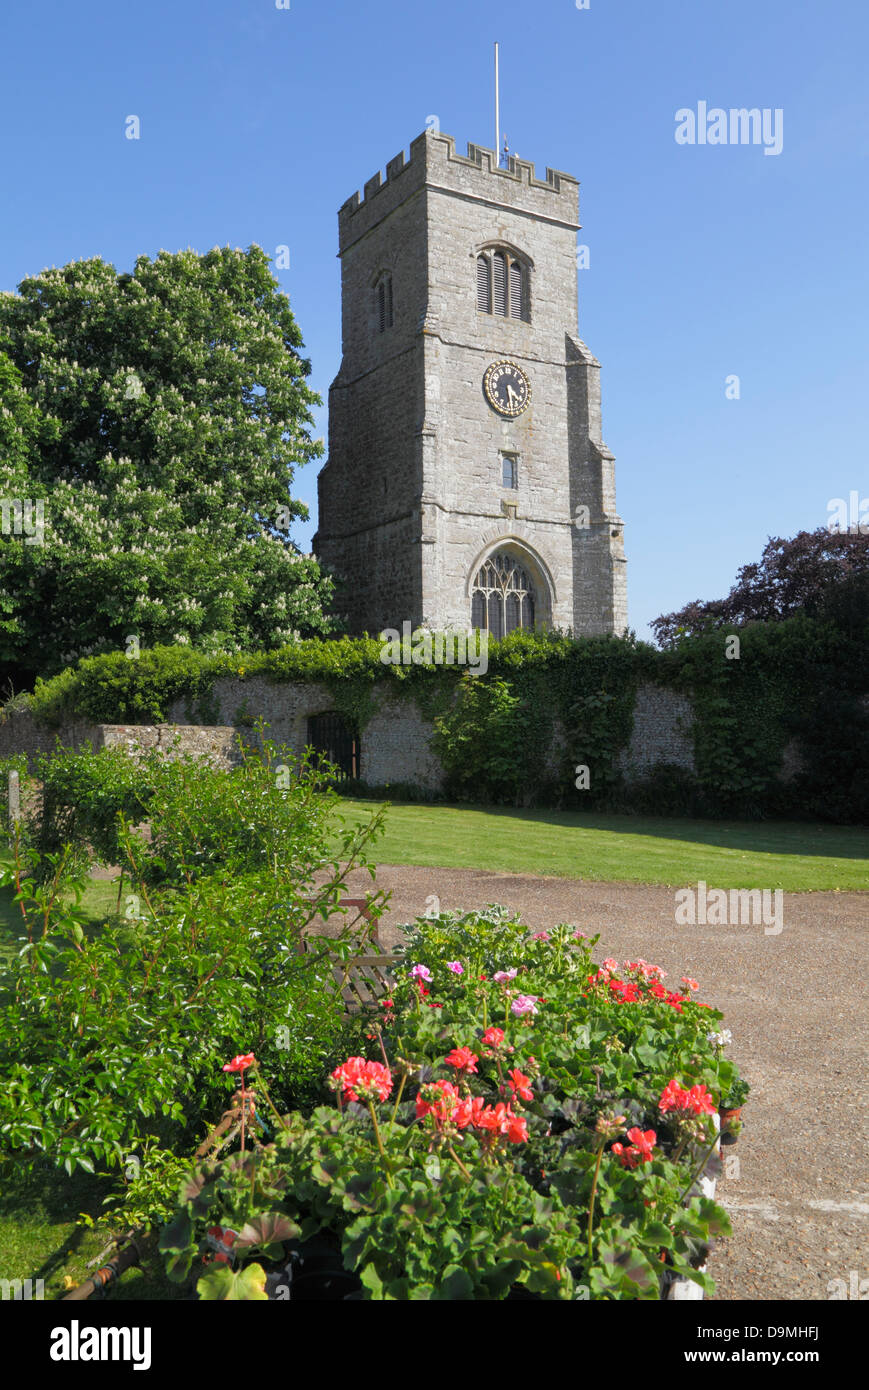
x=433, y=161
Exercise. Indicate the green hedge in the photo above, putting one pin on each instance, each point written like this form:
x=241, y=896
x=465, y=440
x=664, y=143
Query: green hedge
x=803, y=678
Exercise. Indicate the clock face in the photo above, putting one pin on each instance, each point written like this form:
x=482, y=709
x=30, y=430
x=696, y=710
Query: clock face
x=507, y=388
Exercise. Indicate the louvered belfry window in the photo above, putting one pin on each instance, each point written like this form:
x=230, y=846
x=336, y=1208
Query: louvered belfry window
x=500, y=264
x=502, y=285
x=515, y=290
x=484, y=285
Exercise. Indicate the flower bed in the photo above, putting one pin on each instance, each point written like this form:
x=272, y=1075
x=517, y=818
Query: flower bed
x=526, y=1125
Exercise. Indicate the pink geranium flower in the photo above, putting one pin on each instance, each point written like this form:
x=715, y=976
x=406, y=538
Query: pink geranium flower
x=523, y=1004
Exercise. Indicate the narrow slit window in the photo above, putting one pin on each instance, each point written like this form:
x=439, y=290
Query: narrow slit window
x=509, y=470
x=384, y=303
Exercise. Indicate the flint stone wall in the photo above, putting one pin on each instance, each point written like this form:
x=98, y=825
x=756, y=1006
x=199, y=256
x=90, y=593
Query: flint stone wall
x=395, y=743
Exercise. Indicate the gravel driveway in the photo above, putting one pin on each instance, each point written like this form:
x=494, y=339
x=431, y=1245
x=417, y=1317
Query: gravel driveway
x=798, y=1199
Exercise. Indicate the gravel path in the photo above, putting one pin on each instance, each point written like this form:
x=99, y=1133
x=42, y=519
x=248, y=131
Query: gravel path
x=799, y=1197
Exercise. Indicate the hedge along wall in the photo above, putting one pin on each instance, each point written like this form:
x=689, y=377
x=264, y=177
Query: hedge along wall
x=782, y=729
x=395, y=743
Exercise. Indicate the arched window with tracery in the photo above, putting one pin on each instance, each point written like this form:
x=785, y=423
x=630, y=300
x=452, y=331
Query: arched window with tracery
x=503, y=597
x=502, y=285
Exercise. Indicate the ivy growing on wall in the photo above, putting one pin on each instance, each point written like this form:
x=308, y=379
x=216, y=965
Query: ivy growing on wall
x=550, y=705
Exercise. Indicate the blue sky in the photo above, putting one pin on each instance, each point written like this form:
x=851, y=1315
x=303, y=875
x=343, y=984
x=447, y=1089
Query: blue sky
x=705, y=261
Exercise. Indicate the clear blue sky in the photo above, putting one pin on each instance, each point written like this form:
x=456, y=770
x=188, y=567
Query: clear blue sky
x=257, y=123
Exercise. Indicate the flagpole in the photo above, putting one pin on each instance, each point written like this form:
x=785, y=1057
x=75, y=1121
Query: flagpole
x=497, y=114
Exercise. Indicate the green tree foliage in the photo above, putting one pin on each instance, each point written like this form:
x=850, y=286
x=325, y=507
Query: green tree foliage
x=160, y=416
x=23, y=431
x=820, y=573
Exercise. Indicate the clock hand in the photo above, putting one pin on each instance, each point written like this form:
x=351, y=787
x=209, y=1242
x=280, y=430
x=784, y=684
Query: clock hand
x=511, y=395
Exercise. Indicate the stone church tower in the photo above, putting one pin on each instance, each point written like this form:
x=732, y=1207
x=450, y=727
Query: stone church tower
x=467, y=482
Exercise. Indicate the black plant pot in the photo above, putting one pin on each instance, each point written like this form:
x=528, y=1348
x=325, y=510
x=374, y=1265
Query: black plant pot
x=327, y=1285
x=314, y=1272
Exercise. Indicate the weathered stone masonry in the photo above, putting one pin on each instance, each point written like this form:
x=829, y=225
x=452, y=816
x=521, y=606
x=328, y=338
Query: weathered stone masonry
x=394, y=743
x=411, y=500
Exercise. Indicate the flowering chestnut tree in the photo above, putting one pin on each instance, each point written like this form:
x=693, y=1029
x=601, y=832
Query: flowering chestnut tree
x=168, y=411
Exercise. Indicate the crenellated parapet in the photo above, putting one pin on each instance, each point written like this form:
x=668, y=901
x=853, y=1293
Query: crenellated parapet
x=434, y=163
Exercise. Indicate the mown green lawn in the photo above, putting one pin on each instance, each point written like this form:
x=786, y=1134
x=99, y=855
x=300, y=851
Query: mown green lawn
x=42, y=1236
x=795, y=856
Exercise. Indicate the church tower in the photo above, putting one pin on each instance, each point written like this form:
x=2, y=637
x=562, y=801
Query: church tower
x=467, y=482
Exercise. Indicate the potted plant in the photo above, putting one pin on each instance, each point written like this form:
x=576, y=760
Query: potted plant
x=533, y=1127
x=730, y=1110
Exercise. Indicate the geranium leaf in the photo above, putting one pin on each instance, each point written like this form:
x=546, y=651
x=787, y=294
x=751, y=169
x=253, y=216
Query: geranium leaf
x=270, y=1229
x=226, y=1285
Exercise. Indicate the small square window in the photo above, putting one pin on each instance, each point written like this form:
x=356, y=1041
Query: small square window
x=509, y=470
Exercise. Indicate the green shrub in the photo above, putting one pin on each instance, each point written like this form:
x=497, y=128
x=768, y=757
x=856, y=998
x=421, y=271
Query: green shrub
x=666, y=789
x=84, y=796
x=480, y=744
x=117, y=1034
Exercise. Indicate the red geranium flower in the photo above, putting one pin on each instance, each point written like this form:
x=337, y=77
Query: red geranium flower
x=502, y=1119
x=673, y=1097
x=640, y=1150
x=627, y=991
x=359, y=1080
x=644, y=1140
x=700, y=1101
x=463, y=1059
x=520, y=1084
x=241, y=1062
x=516, y=1128
x=440, y=1099
x=493, y=1037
